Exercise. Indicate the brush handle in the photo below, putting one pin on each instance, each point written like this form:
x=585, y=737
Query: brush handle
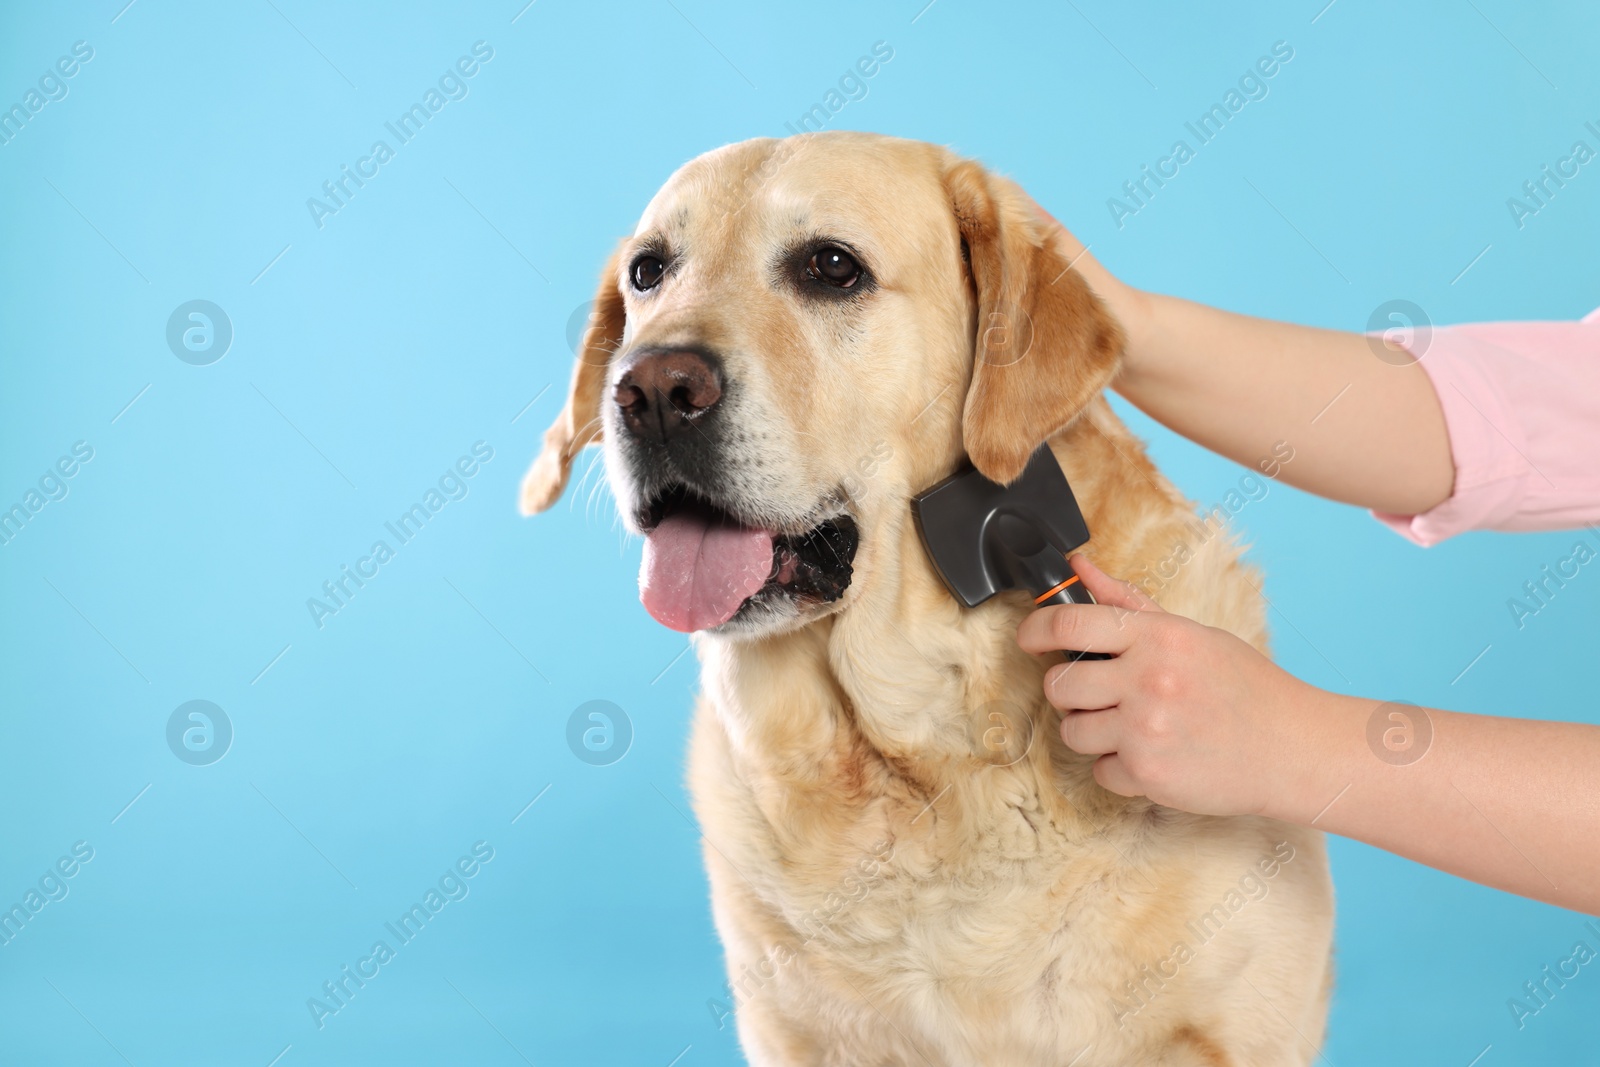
x=1071, y=591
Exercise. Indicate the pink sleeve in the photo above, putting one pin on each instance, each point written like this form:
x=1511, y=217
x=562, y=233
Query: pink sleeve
x=1521, y=402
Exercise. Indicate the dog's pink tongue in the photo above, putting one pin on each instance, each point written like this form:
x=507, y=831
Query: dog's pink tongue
x=697, y=572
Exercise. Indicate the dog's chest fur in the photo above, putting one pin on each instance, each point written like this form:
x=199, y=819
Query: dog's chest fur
x=908, y=866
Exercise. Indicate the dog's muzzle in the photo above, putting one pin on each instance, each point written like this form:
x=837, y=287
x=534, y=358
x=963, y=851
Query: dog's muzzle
x=707, y=558
x=703, y=567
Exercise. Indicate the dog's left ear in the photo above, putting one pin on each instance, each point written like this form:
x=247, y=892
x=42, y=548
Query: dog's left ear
x=579, y=422
x=1045, y=344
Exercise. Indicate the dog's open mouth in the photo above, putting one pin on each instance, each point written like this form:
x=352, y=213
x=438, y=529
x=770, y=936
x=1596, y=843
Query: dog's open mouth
x=702, y=566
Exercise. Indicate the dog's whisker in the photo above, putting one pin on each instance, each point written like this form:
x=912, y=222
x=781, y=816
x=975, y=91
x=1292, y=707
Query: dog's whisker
x=583, y=431
x=598, y=494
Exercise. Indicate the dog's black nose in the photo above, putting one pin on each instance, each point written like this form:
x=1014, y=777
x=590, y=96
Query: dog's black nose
x=662, y=392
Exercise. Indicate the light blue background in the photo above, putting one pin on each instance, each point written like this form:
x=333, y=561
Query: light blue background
x=428, y=313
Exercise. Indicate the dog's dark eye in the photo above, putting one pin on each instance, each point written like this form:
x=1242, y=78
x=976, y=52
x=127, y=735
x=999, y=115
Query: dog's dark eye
x=646, y=272
x=834, y=266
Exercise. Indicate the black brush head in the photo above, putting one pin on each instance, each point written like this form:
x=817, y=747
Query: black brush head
x=985, y=538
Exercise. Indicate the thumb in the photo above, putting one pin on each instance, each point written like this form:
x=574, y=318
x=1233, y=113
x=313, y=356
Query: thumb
x=1109, y=590
x=1075, y=252
x=1069, y=243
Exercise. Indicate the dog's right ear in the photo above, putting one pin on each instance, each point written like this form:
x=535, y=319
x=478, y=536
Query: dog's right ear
x=579, y=422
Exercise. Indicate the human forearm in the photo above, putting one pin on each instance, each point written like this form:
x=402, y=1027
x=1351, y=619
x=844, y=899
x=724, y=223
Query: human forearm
x=1364, y=431
x=1196, y=719
x=1511, y=803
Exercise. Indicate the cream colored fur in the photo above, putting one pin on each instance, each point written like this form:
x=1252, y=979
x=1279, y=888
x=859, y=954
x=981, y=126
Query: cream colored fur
x=907, y=866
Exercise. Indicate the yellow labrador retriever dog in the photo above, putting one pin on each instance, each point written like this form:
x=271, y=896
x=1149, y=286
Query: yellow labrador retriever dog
x=907, y=865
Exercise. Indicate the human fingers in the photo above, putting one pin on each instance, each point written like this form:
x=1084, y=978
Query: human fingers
x=1084, y=685
x=1109, y=590
x=1093, y=733
x=1082, y=627
x=1111, y=771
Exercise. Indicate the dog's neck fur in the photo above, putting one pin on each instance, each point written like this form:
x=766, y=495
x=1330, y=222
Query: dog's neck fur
x=896, y=699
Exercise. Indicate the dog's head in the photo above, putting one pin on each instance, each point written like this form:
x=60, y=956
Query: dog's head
x=799, y=336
